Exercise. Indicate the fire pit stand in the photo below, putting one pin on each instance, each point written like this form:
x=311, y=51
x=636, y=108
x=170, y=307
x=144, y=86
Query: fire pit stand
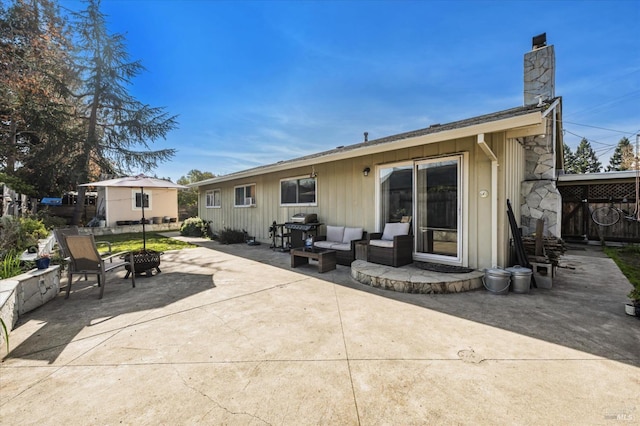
x=144, y=262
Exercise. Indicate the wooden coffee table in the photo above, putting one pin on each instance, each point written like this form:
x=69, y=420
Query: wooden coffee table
x=326, y=258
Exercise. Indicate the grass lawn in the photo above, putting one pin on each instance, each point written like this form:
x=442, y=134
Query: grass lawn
x=133, y=241
x=628, y=260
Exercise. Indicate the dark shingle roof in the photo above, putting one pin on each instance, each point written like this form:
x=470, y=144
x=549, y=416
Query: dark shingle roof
x=433, y=129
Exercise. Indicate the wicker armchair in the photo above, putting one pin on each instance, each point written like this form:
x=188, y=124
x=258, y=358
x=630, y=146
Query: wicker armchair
x=393, y=247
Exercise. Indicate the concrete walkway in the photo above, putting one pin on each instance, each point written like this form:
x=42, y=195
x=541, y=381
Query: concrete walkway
x=232, y=335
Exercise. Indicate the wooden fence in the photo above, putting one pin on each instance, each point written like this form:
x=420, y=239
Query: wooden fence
x=580, y=200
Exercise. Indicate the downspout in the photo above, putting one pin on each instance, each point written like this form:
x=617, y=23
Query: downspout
x=494, y=198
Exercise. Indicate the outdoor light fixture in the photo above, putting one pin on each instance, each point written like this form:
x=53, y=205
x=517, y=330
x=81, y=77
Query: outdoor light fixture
x=313, y=173
x=366, y=171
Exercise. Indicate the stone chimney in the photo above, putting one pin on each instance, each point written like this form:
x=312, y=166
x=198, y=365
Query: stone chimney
x=539, y=72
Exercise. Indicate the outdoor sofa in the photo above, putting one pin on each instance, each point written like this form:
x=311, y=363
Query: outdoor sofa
x=343, y=240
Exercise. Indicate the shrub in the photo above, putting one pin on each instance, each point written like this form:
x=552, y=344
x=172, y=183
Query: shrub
x=51, y=221
x=10, y=265
x=194, y=227
x=19, y=234
x=232, y=236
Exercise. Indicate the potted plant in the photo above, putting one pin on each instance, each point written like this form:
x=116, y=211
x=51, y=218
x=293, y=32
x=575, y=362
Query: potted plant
x=43, y=260
x=633, y=307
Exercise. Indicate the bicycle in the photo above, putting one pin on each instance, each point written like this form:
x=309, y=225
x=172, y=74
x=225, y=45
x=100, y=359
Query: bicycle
x=610, y=215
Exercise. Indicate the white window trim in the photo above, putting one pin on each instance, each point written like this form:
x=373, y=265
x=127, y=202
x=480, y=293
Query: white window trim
x=213, y=192
x=462, y=259
x=147, y=192
x=464, y=203
x=378, y=201
x=253, y=203
x=297, y=204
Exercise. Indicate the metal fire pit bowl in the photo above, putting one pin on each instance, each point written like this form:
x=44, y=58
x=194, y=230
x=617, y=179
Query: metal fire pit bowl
x=144, y=262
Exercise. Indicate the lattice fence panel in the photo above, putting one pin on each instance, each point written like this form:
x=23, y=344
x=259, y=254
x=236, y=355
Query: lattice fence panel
x=614, y=191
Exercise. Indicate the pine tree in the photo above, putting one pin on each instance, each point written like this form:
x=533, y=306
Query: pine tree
x=622, y=158
x=586, y=160
x=569, y=160
x=119, y=128
x=36, y=123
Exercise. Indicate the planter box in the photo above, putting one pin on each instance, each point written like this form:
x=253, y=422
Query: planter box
x=24, y=293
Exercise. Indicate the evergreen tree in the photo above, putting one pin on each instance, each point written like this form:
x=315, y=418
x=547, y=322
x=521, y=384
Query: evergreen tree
x=586, y=160
x=118, y=127
x=569, y=160
x=622, y=158
x=37, y=127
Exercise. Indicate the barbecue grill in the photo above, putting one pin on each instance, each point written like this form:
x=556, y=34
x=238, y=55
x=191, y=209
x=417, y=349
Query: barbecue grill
x=301, y=226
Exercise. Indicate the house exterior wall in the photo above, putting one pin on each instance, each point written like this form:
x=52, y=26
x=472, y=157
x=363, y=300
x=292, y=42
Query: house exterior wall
x=346, y=197
x=120, y=204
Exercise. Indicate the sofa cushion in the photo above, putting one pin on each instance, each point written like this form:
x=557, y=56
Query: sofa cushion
x=341, y=246
x=351, y=234
x=335, y=233
x=324, y=244
x=382, y=243
x=393, y=229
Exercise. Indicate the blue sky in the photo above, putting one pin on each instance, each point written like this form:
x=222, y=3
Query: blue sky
x=255, y=82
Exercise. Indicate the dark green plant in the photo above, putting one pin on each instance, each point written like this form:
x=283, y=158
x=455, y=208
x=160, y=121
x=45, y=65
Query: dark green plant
x=10, y=265
x=49, y=220
x=32, y=230
x=5, y=335
x=231, y=236
x=195, y=227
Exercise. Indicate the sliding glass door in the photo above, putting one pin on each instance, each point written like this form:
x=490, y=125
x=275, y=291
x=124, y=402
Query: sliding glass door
x=428, y=194
x=438, y=209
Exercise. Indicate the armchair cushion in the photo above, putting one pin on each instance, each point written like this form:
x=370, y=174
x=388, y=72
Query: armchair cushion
x=382, y=243
x=335, y=233
x=393, y=229
x=351, y=234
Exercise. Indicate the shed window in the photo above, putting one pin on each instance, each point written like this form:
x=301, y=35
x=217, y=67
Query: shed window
x=138, y=198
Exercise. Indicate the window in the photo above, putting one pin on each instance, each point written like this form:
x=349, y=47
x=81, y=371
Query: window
x=395, y=192
x=137, y=198
x=213, y=198
x=298, y=191
x=245, y=195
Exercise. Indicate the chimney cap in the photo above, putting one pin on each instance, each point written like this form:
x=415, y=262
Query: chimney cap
x=539, y=41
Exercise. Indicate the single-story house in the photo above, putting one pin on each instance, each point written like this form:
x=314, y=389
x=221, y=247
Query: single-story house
x=124, y=200
x=452, y=179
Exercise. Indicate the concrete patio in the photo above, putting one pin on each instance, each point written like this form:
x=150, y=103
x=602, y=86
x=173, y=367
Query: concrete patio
x=233, y=335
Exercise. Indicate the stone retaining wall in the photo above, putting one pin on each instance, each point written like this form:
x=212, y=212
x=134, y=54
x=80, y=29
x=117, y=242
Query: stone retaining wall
x=24, y=293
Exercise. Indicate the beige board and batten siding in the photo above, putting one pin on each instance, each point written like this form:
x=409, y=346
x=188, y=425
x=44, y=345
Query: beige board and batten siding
x=346, y=197
x=120, y=204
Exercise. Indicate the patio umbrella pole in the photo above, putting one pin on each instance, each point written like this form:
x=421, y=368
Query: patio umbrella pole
x=144, y=235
